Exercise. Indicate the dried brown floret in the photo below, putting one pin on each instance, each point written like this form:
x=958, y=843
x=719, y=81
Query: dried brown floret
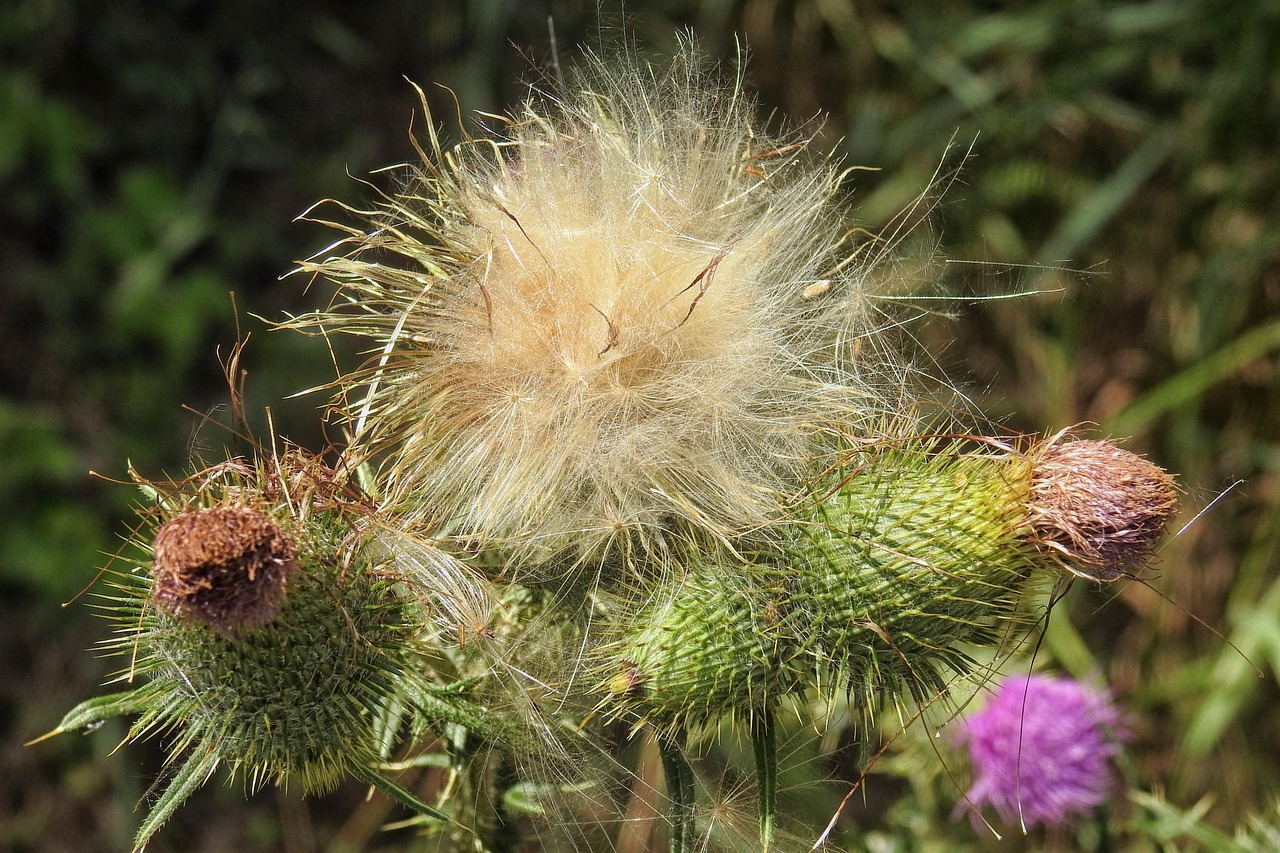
x=226, y=566
x=1100, y=506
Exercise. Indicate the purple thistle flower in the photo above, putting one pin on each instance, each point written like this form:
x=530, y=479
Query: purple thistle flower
x=1041, y=750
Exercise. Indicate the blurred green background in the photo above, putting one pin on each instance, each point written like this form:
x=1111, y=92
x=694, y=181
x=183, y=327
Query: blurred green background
x=1124, y=169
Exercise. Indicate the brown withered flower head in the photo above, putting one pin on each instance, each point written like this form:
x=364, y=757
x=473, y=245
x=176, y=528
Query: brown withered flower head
x=1101, y=507
x=226, y=566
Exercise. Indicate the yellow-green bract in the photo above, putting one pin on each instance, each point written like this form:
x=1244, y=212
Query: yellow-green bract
x=874, y=587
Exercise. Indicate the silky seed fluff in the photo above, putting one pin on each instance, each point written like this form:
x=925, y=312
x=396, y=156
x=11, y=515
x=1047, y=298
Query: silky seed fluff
x=621, y=316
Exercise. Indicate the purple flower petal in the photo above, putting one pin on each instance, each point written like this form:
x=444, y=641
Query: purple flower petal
x=1041, y=750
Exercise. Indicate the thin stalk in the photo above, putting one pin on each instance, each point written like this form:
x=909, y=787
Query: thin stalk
x=764, y=744
x=679, y=790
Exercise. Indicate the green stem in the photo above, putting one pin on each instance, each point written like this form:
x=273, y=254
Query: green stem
x=764, y=744
x=679, y=790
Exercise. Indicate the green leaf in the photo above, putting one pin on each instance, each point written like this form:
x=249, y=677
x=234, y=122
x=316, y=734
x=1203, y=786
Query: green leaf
x=194, y=773
x=1099, y=207
x=526, y=797
x=94, y=711
x=391, y=789
x=1188, y=385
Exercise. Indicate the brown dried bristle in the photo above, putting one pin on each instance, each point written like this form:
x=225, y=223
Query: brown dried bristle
x=226, y=566
x=1100, y=506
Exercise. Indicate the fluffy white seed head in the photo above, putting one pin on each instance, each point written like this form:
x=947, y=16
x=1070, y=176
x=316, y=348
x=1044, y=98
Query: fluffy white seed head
x=625, y=315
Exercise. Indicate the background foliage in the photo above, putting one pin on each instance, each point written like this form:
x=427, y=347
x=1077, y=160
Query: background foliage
x=1124, y=169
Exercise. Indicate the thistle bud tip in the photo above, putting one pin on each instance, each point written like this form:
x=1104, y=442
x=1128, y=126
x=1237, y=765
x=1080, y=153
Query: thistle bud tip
x=225, y=566
x=1102, y=507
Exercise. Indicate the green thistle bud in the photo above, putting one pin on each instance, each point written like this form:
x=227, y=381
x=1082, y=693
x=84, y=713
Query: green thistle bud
x=274, y=638
x=914, y=554
x=300, y=696
x=904, y=557
x=707, y=644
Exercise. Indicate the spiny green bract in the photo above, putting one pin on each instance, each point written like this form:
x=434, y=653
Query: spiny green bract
x=913, y=555
x=707, y=644
x=898, y=560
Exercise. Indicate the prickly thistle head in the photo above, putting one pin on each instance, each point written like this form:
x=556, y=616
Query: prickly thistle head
x=904, y=557
x=275, y=635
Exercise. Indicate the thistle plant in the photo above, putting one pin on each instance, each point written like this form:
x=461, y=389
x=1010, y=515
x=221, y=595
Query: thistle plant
x=630, y=446
x=902, y=557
